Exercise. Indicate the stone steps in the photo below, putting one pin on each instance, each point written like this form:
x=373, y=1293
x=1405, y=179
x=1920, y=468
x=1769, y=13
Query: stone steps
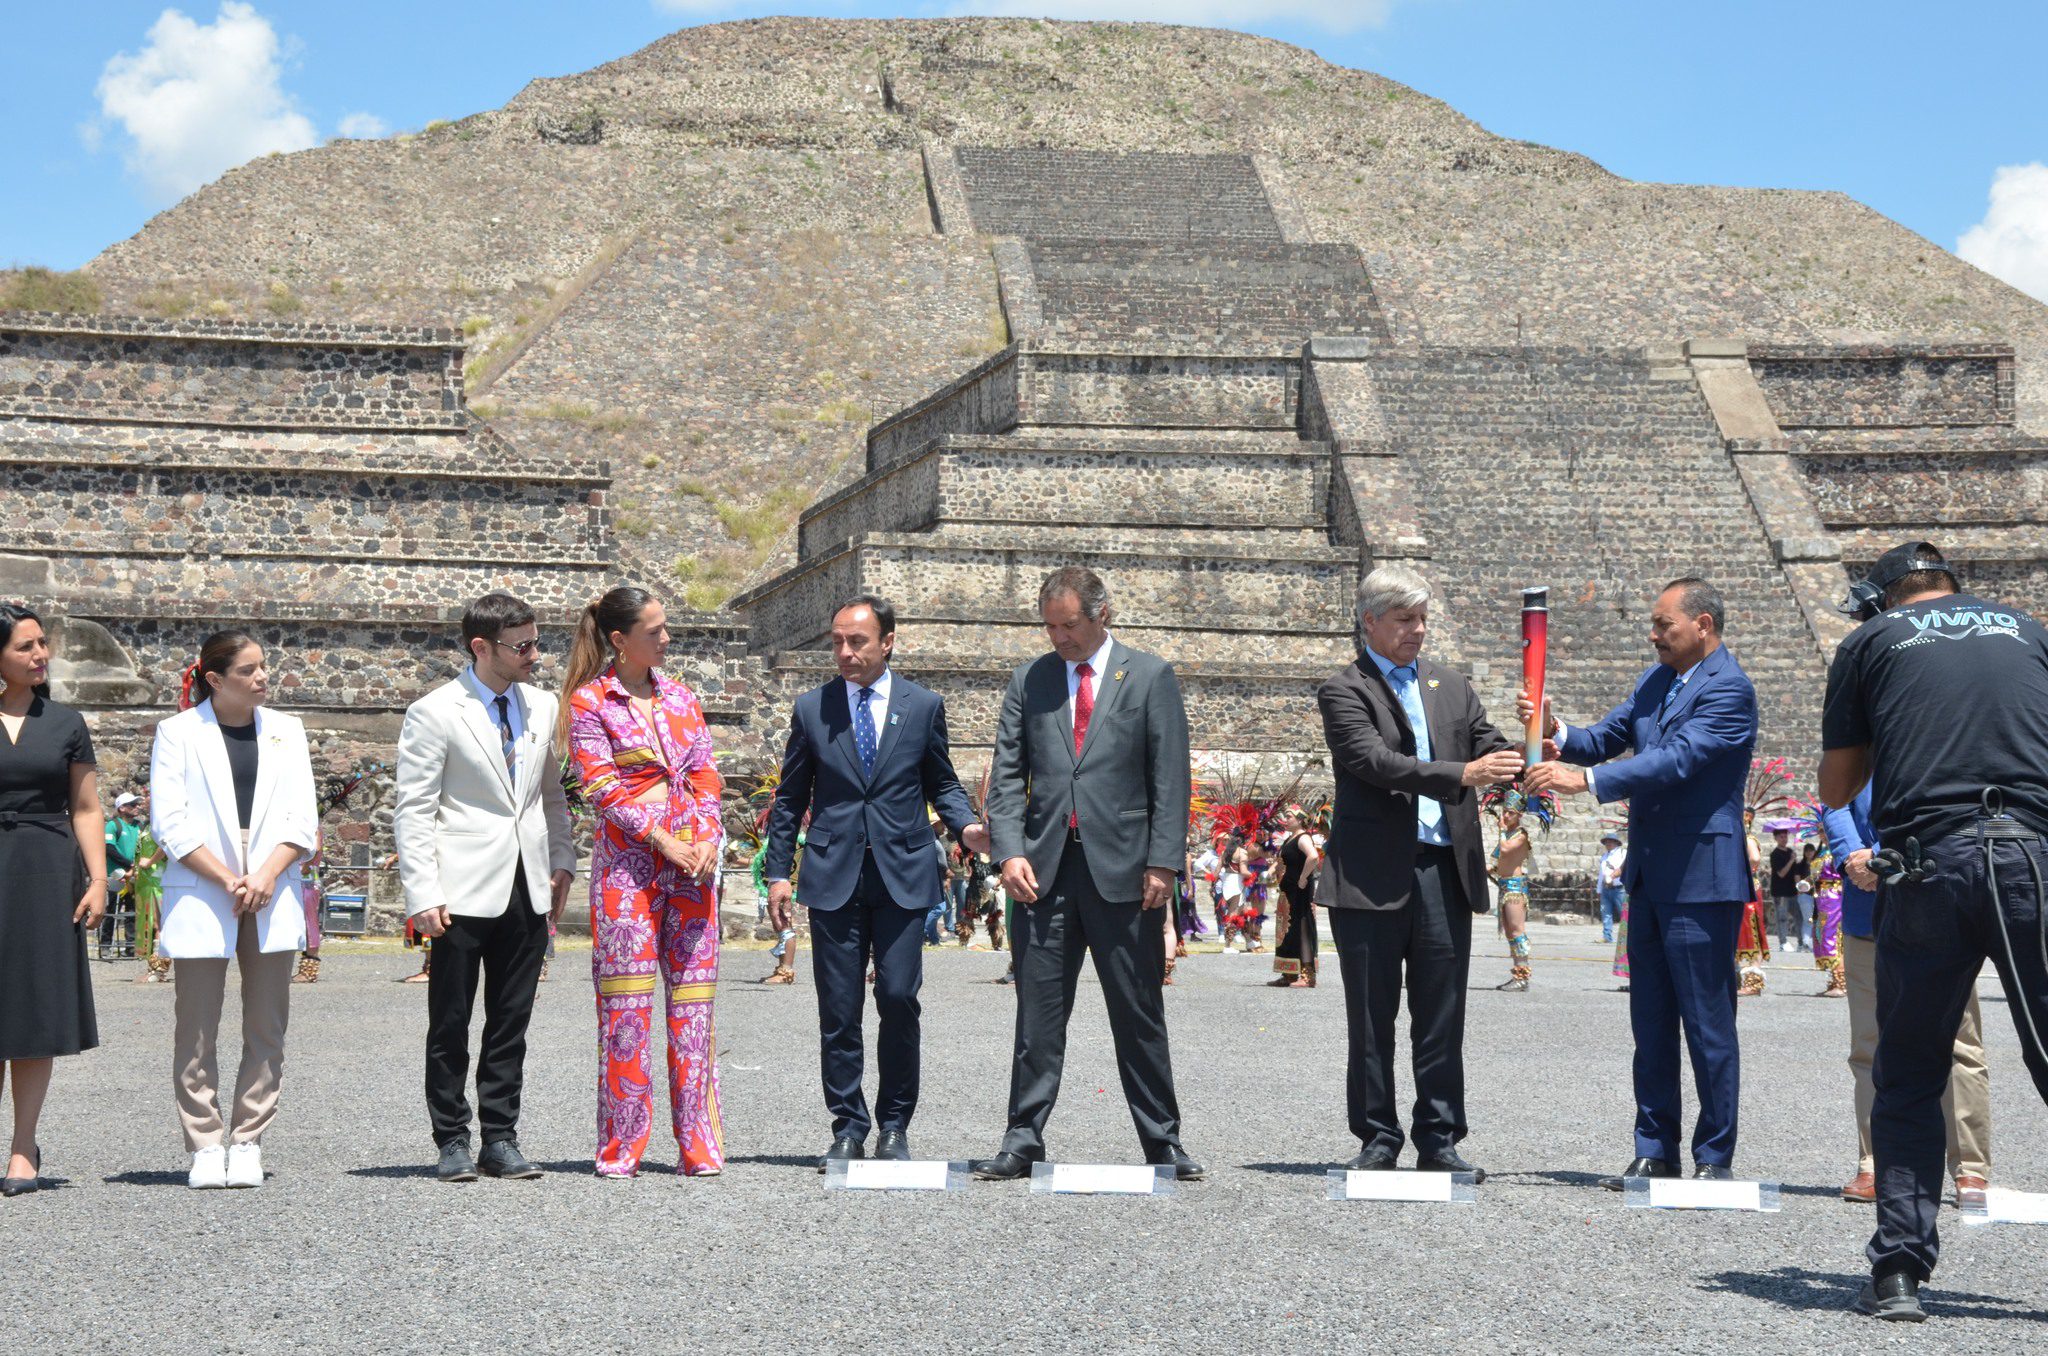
x=1143, y=195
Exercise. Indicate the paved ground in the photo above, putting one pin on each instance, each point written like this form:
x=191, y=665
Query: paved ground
x=351, y=1246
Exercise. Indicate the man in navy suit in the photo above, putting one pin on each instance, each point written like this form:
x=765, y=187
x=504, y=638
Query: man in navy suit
x=1691, y=723
x=867, y=754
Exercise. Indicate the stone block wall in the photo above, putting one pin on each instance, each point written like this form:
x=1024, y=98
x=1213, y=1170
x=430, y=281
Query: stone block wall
x=1927, y=488
x=1159, y=390
x=200, y=372
x=981, y=400
x=1143, y=195
x=969, y=487
x=1886, y=386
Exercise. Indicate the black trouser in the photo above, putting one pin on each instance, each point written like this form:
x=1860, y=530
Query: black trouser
x=1933, y=936
x=1431, y=937
x=1126, y=941
x=507, y=951
x=871, y=926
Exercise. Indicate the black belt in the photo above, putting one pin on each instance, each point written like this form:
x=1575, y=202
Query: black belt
x=21, y=818
x=1437, y=849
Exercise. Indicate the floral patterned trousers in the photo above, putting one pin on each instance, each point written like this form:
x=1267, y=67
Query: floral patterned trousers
x=652, y=930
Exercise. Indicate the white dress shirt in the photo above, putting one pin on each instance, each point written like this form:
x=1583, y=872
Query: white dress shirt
x=1096, y=663
x=878, y=703
x=513, y=716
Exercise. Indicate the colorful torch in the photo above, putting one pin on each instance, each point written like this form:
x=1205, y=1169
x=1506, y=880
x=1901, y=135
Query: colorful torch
x=1535, y=660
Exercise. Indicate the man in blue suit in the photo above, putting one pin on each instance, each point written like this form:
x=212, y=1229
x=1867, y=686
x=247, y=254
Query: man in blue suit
x=867, y=754
x=1691, y=724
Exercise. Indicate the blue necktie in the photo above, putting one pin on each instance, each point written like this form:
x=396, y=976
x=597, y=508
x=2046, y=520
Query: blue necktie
x=864, y=732
x=1429, y=814
x=1670, y=696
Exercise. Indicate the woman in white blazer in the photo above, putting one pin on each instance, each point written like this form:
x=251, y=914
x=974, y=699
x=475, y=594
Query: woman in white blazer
x=232, y=803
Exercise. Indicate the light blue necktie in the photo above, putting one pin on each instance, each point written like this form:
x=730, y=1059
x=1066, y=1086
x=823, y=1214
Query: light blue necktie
x=864, y=732
x=1429, y=814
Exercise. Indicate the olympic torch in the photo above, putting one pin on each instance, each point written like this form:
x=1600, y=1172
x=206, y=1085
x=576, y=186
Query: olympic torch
x=1535, y=660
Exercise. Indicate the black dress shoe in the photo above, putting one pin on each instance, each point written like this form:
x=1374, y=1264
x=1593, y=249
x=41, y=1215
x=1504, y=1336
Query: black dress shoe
x=1642, y=1167
x=1007, y=1166
x=501, y=1158
x=22, y=1186
x=1185, y=1169
x=1450, y=1160
x=456, y=1165
x=843, y=1148
x=1894, y=1298
x=1713, y=1172
x=893, y=1145
x=1371, y=1160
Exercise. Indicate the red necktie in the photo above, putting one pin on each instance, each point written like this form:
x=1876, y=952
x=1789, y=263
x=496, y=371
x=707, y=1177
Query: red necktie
x=1084, y=707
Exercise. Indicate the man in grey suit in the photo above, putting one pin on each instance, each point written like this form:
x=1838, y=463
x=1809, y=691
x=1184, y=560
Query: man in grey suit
x=1088, y=810
x=1409, y=742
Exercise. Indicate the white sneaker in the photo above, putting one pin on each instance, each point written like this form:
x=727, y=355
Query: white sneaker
x=245, y=1165
x=209, y=1169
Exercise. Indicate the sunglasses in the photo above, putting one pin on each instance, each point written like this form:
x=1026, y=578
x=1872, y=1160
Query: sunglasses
x=524, y=649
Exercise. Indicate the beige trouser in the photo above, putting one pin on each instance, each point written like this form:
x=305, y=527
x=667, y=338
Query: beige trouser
x=195, y=1064
x=1966, y=1104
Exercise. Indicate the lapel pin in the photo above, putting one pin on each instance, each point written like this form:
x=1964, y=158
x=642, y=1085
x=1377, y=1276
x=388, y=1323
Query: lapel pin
x=1434, y=684
x=1117, y=677
x=895, y=718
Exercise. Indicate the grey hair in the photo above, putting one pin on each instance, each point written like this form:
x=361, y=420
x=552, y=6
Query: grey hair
x=1083, y=583
x=1388, y=587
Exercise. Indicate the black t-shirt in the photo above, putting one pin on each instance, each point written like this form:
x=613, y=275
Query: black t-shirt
x=1951, y=695
x=1783, y=879
x=241, y=742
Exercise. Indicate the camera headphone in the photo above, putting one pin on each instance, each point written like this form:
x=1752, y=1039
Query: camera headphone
x=1866, y=595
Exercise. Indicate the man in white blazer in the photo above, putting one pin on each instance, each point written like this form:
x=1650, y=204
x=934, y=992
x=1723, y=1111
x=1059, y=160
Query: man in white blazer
x=486, y=859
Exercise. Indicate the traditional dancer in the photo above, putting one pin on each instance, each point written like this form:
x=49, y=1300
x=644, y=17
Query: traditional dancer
x=1294, y=961
x=1509, y=806
x=643, y=754
x=1753, y=939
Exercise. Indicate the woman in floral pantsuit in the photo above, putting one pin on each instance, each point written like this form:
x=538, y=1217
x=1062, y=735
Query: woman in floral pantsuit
x=643, y=754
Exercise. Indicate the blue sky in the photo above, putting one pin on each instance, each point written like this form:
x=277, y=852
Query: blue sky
x=112, y=108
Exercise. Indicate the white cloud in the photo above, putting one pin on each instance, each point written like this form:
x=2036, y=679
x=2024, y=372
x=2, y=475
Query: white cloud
x=199, y=99
x=1333, y=16
x=2011, y=243
x=362, y=126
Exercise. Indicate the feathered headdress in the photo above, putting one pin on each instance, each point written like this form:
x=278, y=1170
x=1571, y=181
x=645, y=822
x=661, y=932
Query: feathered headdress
x=1502, y=797
x=1767, y=782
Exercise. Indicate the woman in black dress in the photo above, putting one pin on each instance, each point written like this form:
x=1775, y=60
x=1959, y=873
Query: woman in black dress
x=53, y=882
x=1300, y=859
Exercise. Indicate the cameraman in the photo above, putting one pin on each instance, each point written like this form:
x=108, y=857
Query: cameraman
x=1940, y=701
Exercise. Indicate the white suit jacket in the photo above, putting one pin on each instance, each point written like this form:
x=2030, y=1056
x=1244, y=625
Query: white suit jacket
x=192, y=805
x=463, y=823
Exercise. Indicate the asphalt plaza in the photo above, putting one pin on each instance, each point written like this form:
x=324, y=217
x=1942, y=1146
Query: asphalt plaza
x=353, y=1246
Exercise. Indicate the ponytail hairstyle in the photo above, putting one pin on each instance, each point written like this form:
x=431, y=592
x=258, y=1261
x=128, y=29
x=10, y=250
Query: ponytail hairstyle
x=10, y=614
x=216, y=655
x=591, y=649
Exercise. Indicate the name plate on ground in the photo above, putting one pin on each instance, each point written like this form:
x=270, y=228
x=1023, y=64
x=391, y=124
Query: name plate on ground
x=1686, y=1193
x=1439, y=1188
x=2002, y=1206
x=882, y=1174
x=1102, y=1179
